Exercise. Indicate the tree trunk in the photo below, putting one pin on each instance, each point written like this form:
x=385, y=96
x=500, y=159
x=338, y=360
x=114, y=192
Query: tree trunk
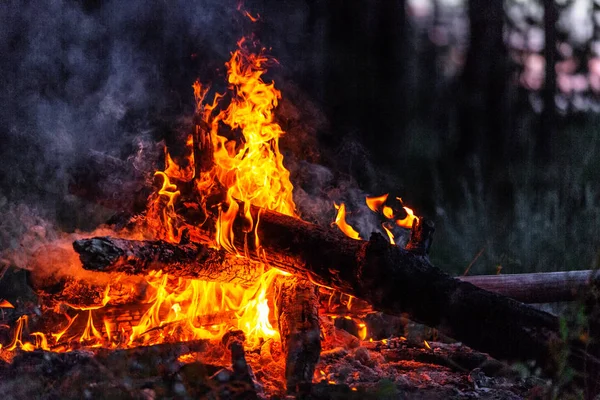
x=548, y=117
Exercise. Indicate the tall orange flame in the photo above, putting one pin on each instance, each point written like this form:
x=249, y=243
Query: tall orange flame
x=252, y=171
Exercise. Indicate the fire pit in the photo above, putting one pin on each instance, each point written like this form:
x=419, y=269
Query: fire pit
x=219, y=289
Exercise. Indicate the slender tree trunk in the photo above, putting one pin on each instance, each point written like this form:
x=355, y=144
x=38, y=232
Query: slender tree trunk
x=482, y=108
x=548, y=117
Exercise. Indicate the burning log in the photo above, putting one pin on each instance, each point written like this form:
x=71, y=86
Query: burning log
x=298, y=319
x=194, y=260
x=191, y=260
x=397, y=281
x=392, y=280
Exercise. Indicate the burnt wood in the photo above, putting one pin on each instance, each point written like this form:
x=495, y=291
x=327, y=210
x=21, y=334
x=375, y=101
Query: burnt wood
x=190, y=260
x=137, y=373
x=398, y=281
x=195, y=260
x=297, y=310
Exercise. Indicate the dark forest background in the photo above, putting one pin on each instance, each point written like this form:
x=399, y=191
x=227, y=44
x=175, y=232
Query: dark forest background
x=482, y=115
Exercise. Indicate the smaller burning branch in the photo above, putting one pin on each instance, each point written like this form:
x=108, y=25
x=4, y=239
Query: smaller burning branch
x=297, y=312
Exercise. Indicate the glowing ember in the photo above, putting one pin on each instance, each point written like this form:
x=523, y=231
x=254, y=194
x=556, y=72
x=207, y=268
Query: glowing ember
x=362, y=331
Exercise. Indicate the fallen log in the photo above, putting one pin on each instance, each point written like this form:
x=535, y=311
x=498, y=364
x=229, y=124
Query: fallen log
x=456, y=356
x=167, y=352
x=296, y=304
x=545, y=287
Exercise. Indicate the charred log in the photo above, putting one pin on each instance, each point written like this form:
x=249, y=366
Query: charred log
x=297, y=306
x=398, y=281
x=143, y=372
x=191, y=260
x=454, y=356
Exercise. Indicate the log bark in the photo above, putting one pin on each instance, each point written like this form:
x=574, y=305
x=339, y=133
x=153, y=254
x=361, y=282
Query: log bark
x=547, y=287
x=191, y=260
x=398, y=281
x=297, y=304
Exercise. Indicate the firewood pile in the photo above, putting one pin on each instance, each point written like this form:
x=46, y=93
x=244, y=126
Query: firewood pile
x=298, y=309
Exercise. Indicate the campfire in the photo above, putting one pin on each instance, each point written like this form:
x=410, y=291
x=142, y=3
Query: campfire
x=231, y=293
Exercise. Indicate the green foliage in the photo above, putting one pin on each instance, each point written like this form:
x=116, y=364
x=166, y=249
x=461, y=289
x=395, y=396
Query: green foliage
x=548, y=221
